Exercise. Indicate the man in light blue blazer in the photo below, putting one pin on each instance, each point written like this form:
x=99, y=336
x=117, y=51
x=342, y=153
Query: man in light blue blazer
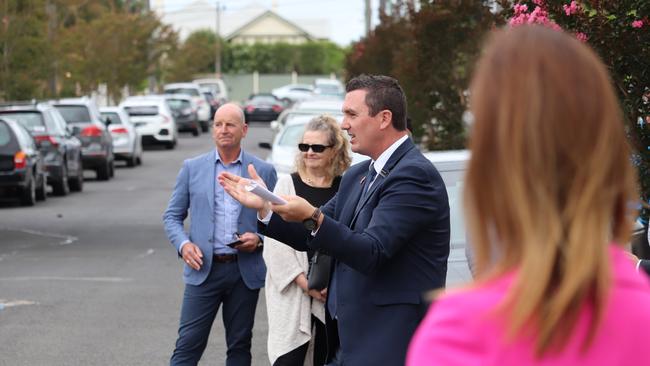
x=215, y=272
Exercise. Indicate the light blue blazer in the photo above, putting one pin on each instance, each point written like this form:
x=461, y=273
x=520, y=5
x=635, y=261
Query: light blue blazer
x=194, y=194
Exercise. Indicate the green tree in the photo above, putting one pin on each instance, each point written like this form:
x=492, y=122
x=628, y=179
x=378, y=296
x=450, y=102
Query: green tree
x=195, y=56
x=433, y=66
x=23, y=49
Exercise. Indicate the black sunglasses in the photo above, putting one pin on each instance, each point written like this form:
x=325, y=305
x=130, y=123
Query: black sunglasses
x=317, y=148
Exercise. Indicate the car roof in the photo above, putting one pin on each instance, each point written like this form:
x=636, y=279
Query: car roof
x=181, y=85
x=320, y=104
x=36, y=107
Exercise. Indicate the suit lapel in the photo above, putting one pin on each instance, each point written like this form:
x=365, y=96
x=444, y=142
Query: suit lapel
x=353, y=199
x=390, y=164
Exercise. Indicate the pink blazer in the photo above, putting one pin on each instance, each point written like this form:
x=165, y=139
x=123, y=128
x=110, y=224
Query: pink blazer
x=458, y=329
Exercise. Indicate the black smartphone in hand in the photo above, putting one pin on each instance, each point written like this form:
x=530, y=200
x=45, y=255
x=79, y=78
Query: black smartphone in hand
x=236, y=242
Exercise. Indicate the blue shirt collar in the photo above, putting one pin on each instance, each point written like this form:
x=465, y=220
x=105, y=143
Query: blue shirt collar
x=217, y=157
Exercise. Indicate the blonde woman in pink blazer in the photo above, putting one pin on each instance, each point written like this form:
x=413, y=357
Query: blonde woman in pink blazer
x=547, y=195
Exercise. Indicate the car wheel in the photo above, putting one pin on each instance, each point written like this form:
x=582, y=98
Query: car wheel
x=104, y=172
x=205, y=126
x=41, y=192
x=77, y=183
x=28, y=194
x=196, y=132
x=140, y=159
x=61, y=188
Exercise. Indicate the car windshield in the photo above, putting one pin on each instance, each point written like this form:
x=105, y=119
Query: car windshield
x=263, y=99
x=189, y=91
x=142, y=110
x=292, y=135
x=5, y=134
x=33, y=121
x=74, y=113
x=178, y=104
x=329, y=89
x=113, y=117
x=213, y=86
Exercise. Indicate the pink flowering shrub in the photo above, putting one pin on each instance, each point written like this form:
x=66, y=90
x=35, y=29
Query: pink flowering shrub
x=637, y=24
x=571, y=9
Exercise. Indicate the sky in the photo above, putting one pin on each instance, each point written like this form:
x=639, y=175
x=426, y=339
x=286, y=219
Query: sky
x=346, y=17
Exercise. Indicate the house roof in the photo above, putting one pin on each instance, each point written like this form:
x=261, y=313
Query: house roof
x=268, y=14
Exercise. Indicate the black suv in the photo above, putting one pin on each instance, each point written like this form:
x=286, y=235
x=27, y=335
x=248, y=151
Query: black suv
x=61, y=151
x=96, y=139
x=22, y=173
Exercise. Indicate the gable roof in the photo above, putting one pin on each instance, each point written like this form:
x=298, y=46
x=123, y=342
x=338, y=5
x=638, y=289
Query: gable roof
x=269, y=14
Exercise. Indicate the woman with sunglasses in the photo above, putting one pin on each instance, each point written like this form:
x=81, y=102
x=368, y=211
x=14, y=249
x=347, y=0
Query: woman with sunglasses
x=296, y=314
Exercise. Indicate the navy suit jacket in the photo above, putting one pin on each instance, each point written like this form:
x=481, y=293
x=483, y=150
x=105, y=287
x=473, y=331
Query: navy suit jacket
x=194, y=192
x=388, y=253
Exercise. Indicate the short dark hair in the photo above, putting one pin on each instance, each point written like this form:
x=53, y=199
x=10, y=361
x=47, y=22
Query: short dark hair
x=383, y=92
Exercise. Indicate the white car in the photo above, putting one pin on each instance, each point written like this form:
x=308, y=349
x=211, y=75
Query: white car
x=310, y=107
x=329, y=87
x=152, y=118
x=294, y=92
x=452, y=166
x=200, y=103
x=127, y=143
x=285, y=144
x=217, y=86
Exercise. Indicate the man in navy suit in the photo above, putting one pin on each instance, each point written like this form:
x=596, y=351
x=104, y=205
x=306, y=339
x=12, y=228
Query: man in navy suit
x=215, y=273
x=387, y=229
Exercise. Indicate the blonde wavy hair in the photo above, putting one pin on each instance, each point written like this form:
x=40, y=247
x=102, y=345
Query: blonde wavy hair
x=550, y=181
x=341, y=159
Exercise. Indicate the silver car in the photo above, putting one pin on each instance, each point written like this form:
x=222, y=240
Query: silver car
x=127, y=142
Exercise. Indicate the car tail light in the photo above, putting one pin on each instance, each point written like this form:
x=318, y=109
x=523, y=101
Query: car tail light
x=250, y=108
x=20, y=160
x=46, y=139
x=277, y=108
x=120, y=130
x=91, y=131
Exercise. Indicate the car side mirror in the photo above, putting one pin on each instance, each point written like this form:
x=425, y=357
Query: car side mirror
x=107, y=121
x=265, y=145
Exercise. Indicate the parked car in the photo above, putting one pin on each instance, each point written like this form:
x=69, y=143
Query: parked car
x=294, y=93
x=262, y=107
x=61, y=150
x=310, y=107
x=329, y=87
x=96, y=140
x=212, y=100
x=199, y=102
x=185, y=117
x=22, y=172
x=152, y=118
x=127, y=142
x=218, y=87
x=285, y=145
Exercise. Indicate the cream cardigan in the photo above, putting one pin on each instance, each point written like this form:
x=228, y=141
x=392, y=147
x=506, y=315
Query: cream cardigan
x=288, y=308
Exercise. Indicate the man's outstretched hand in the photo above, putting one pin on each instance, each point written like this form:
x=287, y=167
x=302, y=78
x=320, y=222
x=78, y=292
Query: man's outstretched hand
x=235, y=186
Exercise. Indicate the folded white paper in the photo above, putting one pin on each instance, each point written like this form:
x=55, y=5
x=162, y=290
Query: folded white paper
x=265, y=193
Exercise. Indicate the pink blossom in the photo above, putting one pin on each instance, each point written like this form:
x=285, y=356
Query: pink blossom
x=537, y=16
x=637, y=24
x=582, y=37
x=571, y=8
x=520, y=8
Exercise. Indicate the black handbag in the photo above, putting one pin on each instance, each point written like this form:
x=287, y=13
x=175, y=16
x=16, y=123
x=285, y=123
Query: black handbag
x=318, y=276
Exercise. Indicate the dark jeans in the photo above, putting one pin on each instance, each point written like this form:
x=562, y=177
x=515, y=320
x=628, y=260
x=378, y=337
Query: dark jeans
x=297, y=356
x=224, y=285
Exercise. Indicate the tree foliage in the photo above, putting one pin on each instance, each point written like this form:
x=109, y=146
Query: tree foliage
x=619, y=31
x=54, y=48
x=433, y=66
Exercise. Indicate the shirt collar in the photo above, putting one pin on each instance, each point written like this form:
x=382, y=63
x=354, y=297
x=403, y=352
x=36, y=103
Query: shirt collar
x=383, y=158
x=217, y=158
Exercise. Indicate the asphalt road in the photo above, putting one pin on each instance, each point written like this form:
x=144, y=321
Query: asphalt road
x=90, y=279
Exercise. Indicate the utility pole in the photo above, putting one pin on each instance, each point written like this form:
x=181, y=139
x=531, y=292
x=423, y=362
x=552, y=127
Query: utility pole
x=217, y=58
x=368, y=17
x=50, y=10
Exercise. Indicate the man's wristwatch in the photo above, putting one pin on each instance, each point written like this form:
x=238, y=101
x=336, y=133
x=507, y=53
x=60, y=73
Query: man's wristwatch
x=311, y=222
